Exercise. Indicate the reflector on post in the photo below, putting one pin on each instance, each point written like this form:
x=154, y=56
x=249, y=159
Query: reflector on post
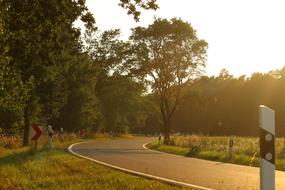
x=267, y=148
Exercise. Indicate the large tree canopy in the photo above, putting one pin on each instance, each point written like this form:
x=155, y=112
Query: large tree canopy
x=45, y=76
x=38, y=36
x=167, y=54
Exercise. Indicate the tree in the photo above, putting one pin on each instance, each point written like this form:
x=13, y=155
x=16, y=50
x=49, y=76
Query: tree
x=39, y=35
x=12, y=90
x=120, y=97
x=38, y=38
x=82, y=108
x=168, y=55
x=122, y=103
x=224, y=74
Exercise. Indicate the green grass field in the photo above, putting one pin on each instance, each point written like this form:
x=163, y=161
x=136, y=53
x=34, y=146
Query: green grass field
x=21, y=168
x=245, y=149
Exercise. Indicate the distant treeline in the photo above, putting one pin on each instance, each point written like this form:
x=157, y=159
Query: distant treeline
x=225, y=105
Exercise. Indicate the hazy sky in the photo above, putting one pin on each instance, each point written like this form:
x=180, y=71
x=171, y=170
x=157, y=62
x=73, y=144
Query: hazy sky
x=244, y=36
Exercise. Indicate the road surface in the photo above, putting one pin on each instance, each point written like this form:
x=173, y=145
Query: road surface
x=130, y=154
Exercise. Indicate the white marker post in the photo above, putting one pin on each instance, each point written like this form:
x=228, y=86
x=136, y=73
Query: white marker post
x=231, y=144
x=61, y=135
x=50, y=135
x=267, y=148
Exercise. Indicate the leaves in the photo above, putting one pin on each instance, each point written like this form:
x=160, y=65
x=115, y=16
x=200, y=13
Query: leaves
x=13, y=92
x=134, y=7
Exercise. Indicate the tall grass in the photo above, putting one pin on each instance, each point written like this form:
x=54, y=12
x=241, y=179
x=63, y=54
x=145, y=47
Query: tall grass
x=245, y=150
x=242, y=145
x=15, y=141
x=9, y=141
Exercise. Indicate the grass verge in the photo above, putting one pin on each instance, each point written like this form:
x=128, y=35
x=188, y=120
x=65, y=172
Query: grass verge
x=58, y=169
x=220, y=156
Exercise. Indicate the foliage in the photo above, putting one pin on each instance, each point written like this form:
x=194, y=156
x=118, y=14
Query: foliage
x=133, y=6
x=122, y=104
x=225, y=105
x=13, y=92
x=10, y=120
x=82, y=107
x=107, y=52
x=120, y=97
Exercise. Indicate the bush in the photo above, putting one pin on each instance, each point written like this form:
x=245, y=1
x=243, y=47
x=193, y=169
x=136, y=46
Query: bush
x=193, y=150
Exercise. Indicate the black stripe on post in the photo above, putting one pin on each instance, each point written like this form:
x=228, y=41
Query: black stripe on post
x=267, y=142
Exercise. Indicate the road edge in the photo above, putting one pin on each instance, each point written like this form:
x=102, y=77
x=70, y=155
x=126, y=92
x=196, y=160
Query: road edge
x=147, y=176
x=145, y=147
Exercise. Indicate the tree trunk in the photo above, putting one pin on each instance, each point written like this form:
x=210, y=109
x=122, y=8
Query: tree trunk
x=167, y=131
x=26, y=126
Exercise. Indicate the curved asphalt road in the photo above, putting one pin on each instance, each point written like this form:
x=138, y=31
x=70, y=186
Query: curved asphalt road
x=129, y=154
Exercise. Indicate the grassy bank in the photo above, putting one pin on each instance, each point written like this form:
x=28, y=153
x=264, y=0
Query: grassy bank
x=21, y=168
x=245, y=149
